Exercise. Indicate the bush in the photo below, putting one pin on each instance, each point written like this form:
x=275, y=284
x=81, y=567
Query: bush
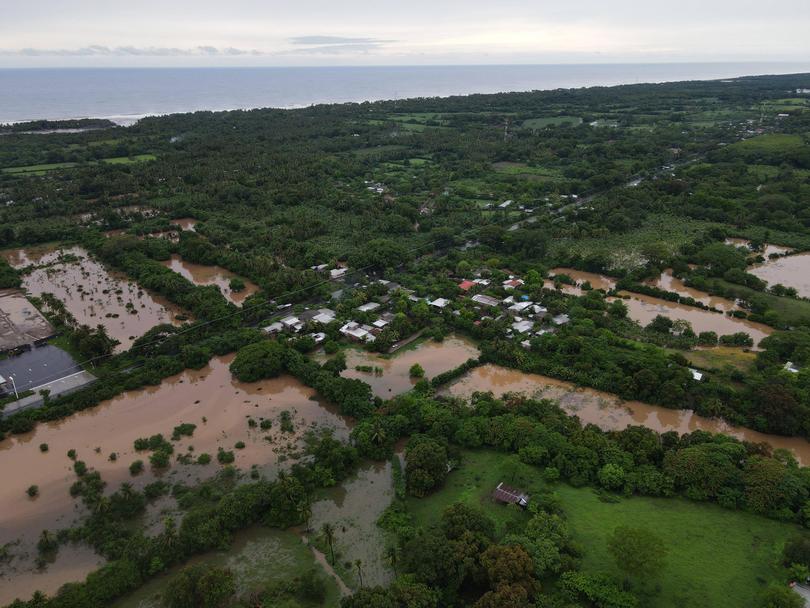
x=43, y=447
x=136, y=467
x=203, y=458
x=225, y=457
x=32, y=491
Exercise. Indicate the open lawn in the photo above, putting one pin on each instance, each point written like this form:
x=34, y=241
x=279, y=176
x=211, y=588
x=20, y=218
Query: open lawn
x=43, y=169
x=523, y=169
x=719, y=357
x=772, y=142
x=716, y=558
x=550, y=121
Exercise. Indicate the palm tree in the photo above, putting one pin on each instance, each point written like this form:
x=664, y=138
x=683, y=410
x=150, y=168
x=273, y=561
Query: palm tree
x=328, y=532
x=359, y=564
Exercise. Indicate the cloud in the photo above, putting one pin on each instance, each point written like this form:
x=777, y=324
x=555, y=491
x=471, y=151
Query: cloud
x=97, y=50
x=334, y=40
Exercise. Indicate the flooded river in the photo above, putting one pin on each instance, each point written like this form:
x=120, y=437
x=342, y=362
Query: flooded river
x=93, y=294
x=219, y=405
x=211, y=275
x=434, y=357
x=608, y=411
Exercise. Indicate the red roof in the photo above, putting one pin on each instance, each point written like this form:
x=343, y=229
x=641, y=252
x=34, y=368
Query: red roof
x=466, y=285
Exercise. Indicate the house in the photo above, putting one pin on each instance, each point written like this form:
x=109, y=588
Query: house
x=520, y=308
x=512, y=283
x=368, y=307
x=466, y=285
x=440, y=302
x=696, y=375
x=510, y=496
x=523, y=326
x=560, y=319
x=482, y=282
x=274, y=328
x=357, y=332
x=790, y=367
x=319, y=267
x=325, y=316
x=505, y=204
x=486, y=300
x=526, y=344
x=380, y=323
x=337, y=273
x=539, y=311
x=319, y=337
x=292, y=323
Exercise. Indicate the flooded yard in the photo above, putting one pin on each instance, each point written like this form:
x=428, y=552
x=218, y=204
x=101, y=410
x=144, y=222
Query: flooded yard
x=394, y=378
x=354, y=508
x=211, y=275
x=258, y=557
x=643, y=309
x=93, y=294
x=790, y=271
x=608, y=411
x=210, y=398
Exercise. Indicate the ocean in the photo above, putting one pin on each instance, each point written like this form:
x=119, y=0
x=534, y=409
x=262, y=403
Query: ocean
x=125, y=95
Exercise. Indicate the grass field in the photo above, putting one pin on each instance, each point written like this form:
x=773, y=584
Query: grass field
x=719, y=357
x=43, y=169
x=549, y=121
x=509, y=168
x=716, y=558
x=790, y=310
x=772, y=142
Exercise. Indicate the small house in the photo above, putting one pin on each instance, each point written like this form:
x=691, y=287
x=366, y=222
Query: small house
x=560, y=319
x=368, y=307
x=338, y=273
x=696, y=375
x=440, y=303
x=485, y=300
x=510, y=496
x=523, y=326
x=466, y=285
x=274, y=328
x=512, y=283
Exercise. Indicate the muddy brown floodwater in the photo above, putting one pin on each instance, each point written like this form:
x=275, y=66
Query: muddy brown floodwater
x=608, y=411
x=434, y=357
x=190, y=397
x=93, y=294
x=643, y=309
x=354, y=508
x=211, y=275
x=790, y=271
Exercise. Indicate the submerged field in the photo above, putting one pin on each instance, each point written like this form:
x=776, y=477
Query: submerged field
x=698, y=573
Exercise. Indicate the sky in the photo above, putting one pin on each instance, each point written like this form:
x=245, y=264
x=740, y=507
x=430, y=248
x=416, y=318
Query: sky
x=168, y=33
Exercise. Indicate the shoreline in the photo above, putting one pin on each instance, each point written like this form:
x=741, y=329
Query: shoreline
x=370, y=89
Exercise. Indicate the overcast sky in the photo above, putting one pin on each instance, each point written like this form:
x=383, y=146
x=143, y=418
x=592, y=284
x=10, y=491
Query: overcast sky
x=36, y=33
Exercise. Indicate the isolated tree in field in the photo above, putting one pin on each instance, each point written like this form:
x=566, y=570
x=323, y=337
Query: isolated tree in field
x=638, y=552
x=416, y=371
x=328, y=533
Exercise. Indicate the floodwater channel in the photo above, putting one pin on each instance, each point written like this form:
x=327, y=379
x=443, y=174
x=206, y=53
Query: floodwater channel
x=643, y=309
x=394, y=377
x=93, y=294
x=608, y=411
x=200, y=274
